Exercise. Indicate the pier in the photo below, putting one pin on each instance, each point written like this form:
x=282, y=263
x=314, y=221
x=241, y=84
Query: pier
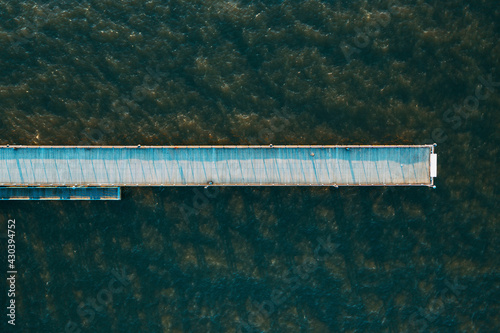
x=60, y=193
x=91, y=167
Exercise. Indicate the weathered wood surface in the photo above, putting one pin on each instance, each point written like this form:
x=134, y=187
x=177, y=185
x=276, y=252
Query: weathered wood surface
x=221, y=165
x=60, y=193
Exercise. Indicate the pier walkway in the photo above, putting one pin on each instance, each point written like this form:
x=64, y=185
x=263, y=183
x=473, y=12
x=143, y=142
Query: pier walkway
x=116, y=166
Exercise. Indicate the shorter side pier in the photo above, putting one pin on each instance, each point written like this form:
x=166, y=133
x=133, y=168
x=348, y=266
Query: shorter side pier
x=60, y=193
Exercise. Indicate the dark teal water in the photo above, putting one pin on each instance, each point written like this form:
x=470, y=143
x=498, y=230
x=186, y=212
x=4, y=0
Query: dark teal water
x=258, y=72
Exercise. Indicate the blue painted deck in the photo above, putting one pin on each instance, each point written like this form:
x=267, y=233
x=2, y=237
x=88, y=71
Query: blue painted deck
x=108, y=166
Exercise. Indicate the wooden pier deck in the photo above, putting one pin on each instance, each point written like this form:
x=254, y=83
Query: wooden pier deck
x=115, y=166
